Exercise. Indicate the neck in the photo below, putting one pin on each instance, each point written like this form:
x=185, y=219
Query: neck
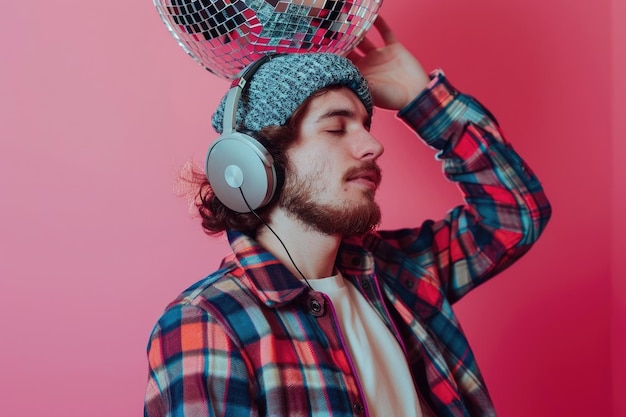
x=314, y=253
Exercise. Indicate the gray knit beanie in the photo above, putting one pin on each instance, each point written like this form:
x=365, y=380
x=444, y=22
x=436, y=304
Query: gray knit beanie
x=284, y=82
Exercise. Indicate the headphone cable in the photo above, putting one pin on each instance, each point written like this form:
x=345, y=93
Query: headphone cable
x=277, y=237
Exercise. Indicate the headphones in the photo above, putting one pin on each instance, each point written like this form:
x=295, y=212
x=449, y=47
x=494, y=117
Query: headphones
x=237, y=163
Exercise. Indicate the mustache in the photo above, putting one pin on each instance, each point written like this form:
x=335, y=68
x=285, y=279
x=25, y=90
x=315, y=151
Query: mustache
x=370, y=170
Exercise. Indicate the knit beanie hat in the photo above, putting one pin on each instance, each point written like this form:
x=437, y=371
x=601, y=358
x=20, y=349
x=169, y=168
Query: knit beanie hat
x=284, y=82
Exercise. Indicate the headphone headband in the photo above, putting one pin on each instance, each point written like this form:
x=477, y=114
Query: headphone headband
x=237, y=88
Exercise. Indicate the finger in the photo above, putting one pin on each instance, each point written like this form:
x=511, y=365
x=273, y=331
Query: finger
x=385, y=31
x=354, y=57
x=366, y=45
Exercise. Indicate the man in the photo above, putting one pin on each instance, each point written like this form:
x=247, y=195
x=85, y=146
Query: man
x=316, y=313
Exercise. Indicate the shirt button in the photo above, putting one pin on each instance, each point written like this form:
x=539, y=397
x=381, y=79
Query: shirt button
x=358, y=408
x=365, y=284
x=315, y=306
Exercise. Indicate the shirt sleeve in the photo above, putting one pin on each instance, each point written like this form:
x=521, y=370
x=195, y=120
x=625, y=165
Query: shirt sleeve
x=194, y=368
x=505, y=207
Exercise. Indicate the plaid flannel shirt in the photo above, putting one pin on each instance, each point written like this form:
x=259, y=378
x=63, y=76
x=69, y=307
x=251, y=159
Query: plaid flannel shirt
x=252, y=340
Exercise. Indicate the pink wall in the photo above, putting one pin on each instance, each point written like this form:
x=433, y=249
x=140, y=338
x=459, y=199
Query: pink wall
x=618, y=299
x=99, y=108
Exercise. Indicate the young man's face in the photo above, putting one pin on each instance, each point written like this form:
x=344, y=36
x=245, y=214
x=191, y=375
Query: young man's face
x=332, y=176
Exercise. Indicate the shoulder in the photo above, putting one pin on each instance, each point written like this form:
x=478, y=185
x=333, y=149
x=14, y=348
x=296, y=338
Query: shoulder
x=411, y=242
x=215, y=290
x=217, y=301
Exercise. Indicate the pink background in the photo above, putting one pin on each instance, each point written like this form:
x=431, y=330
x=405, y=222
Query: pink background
x=99, y=108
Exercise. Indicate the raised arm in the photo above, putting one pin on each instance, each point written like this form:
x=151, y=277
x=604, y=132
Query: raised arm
x=506, y=208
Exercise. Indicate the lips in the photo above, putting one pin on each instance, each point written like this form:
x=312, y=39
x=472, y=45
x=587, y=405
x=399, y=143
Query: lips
x=369, y=175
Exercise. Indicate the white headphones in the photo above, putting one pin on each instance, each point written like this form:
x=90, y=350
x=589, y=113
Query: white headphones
x=237, y=164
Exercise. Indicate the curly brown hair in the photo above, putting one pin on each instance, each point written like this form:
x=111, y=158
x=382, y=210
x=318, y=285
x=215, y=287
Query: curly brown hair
x=216, y=217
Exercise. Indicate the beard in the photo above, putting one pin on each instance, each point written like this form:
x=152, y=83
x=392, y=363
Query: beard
x=300, y=199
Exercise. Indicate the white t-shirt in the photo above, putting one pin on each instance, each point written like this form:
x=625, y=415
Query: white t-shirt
x=380, y=363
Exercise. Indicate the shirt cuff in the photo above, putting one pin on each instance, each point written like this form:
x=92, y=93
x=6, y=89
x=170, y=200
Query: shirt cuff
x=425, y=114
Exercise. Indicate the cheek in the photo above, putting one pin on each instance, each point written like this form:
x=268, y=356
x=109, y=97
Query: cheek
x=310, y=162
x=319, y=167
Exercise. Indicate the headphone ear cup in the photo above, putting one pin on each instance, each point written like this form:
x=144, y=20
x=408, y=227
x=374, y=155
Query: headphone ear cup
x=237, y=164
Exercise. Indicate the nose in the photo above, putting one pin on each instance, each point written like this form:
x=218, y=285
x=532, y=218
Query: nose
x=369, y=148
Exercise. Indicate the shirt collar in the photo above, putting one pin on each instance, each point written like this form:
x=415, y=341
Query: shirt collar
x=265, y=275
x=273, y=283
x=354, y=258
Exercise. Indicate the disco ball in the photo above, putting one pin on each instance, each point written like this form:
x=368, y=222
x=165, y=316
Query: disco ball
x=224, y=36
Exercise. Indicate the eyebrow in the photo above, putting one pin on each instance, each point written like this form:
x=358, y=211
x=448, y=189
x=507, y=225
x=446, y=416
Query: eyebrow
x=347, y=113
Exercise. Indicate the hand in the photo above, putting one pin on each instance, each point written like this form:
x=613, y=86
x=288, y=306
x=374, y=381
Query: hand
x=394, y=75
